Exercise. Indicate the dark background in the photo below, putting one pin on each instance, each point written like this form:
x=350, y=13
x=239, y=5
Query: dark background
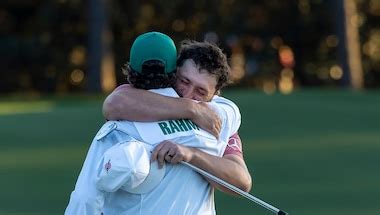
x=310, y=127
x=58, y=46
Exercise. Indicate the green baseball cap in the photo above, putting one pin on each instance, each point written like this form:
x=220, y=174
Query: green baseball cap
x=153, y=46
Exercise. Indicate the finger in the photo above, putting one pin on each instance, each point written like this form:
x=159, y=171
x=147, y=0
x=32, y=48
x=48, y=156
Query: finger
x=161, y=155
x=156, y=150
x=169, y=154
x=177, y=158
x=219, y=123
x=215, y=131
x=218, y=128
x=168, y=157
x=172, y=151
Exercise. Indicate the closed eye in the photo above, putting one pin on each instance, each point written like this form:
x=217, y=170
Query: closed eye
x=184, y=81
x=202, y=92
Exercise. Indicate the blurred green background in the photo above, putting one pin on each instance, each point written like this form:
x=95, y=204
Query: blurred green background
x=306, y=77
x=311, y=152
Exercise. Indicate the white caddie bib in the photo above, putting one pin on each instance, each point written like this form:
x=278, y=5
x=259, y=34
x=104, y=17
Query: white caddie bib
x=189, y=192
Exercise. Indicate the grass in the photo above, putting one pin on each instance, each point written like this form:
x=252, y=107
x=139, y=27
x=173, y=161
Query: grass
x=311, y=152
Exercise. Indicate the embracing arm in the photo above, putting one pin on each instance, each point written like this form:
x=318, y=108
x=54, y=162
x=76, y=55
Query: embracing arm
x=128, y=103
x=231, y=167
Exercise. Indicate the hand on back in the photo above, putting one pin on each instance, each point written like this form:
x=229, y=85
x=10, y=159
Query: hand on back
x=170, y=152
x=207, y=119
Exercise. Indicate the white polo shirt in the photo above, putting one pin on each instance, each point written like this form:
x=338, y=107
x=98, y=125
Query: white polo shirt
x=182, y=191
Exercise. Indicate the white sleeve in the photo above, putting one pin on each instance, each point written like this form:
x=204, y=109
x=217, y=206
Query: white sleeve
x=229, y=114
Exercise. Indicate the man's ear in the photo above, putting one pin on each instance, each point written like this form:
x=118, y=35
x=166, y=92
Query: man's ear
x=217, y=93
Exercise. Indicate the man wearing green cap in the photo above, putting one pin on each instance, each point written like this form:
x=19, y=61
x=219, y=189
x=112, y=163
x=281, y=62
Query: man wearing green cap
x=194, y=82
x=134, y=104
x=157, y=47
x=145, y=74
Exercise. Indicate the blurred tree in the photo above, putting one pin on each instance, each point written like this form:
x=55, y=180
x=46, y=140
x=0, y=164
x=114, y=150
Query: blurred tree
x=61, y=45
x=349, y=47
x=96, y=23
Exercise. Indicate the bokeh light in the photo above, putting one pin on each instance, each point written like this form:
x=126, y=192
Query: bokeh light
x=374, y=7
x=269, y=87
x=304, y=6
x=78, y=55
x=287, y=73
x=76, y=77
x=286, y=85
x=237, y=66
x=286, y=56
x=372, y=47
x=276, y=42
x=332, y=41
x=323, y=73
x=336, y=72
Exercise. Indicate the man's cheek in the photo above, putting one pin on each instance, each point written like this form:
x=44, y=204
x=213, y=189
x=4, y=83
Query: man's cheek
x=180, y=91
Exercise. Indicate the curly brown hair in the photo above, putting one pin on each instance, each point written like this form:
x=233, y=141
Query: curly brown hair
x=152, y=76
x=206, y=56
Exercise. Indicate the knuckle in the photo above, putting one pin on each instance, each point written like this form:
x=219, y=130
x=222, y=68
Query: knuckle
x=161, y=156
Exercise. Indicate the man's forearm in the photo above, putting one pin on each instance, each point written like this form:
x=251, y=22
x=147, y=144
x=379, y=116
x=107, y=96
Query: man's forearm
x=230, y=168
x=128, y=103
x=134, y=104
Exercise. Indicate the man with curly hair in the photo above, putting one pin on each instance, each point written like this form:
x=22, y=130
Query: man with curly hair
x=195, y=60
x=120, y=140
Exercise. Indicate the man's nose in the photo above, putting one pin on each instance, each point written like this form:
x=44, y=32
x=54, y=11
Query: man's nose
x=187, y=93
